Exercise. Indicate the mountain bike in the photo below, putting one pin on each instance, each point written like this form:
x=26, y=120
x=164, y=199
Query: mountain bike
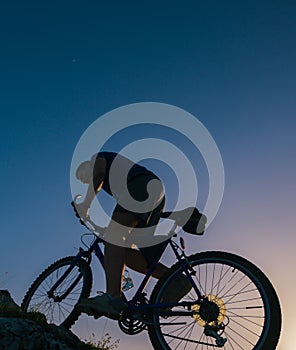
x=231, y=305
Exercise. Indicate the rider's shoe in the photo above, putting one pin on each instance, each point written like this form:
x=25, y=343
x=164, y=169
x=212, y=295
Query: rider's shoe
x=102, y=305
x=177, y=289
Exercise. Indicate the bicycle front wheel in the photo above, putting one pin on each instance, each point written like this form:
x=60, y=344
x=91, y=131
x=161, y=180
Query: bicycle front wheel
x=58, y=306
x=238, y=304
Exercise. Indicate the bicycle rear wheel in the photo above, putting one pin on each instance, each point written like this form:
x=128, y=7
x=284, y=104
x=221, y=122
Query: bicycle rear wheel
x=239, y=303
x=59, y=307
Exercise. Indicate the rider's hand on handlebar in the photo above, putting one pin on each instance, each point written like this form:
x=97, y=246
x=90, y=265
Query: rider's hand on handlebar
x=81, y=210
x=86, y=221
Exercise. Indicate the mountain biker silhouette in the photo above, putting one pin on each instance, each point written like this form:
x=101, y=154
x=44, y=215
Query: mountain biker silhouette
x=129, y=183
x=205, y=299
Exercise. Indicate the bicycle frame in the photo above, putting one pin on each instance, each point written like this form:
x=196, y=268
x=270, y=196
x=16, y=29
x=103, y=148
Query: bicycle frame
x=143, y=308
x=147, y=307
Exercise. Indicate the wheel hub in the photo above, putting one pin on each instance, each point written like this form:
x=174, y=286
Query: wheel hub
x=211, y=311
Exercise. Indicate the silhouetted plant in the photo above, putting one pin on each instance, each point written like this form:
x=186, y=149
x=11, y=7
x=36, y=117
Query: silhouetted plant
x=104, y=343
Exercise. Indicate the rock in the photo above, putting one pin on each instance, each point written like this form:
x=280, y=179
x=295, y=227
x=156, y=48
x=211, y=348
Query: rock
x=24, y=334
x=7, y=304
x=18, y=331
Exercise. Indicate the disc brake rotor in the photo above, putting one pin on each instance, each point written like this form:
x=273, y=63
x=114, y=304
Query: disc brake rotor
x=210, y=312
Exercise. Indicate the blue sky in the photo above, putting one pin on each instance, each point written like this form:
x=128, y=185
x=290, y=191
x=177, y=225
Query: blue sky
x=231, y=64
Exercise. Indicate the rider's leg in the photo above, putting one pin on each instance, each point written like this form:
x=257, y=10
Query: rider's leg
x=115, y=252
x=136, y=261
x=114, y=260
x=116, y=255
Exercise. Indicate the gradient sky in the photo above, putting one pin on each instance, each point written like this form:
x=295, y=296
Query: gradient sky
x=229, y=63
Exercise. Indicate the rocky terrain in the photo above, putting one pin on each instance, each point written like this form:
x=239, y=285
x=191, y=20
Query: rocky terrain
x=19, y=331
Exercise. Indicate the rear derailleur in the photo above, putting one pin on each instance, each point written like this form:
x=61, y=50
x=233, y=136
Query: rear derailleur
x=213, y=331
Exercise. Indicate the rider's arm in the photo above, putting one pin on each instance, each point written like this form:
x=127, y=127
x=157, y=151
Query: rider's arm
x=95, y=185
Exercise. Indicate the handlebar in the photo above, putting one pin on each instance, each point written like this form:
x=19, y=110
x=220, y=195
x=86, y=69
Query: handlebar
x=88, y=223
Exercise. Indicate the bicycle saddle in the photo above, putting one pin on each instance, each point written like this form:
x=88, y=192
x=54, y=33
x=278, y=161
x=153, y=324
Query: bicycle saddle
x=190, y=219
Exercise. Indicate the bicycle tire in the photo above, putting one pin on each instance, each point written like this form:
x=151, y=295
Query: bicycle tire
x=245, y=329
x=61, y=313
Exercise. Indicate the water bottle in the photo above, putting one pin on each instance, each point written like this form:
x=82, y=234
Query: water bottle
x=127, y=282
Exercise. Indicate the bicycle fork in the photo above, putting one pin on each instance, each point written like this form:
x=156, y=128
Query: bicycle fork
x=59, y=298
